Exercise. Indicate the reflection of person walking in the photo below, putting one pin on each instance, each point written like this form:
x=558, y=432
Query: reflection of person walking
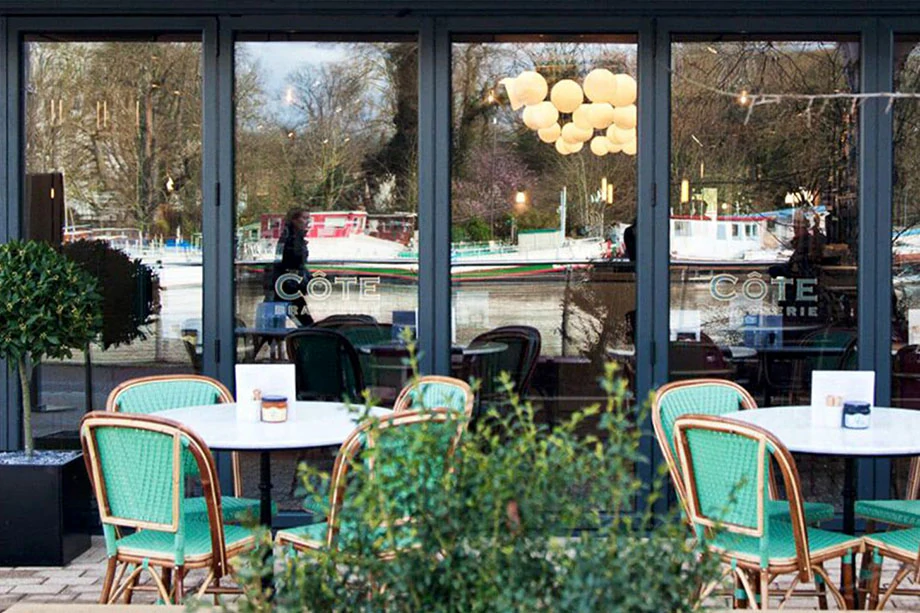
x=291, y=258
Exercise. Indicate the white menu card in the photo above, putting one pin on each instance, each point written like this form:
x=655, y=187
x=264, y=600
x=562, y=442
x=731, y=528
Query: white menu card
x=831, y=388
x=253, y=381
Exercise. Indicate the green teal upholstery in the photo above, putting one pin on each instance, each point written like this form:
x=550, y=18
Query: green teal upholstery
x=432, y=394
x=730, y=478
x=907, y=540
x=151, y=396
x=895, y=512
x=196, y=540
x=136, y=469
x=717, y=400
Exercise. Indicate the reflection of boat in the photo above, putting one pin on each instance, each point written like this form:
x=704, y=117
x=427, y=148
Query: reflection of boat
x=734, y=238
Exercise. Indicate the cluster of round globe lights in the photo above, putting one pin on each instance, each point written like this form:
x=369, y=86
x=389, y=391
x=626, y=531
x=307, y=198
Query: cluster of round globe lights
x=611, y=108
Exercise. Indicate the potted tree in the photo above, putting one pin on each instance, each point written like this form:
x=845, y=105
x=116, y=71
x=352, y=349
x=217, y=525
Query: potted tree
x=49, y=307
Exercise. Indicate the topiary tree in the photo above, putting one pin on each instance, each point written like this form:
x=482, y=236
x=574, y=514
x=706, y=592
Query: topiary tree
x=48, y=307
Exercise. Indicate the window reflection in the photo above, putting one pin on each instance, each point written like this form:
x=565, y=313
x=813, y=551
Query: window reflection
x=543, y=211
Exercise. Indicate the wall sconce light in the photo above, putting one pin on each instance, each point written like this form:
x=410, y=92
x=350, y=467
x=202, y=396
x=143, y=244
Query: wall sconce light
x=684, y=191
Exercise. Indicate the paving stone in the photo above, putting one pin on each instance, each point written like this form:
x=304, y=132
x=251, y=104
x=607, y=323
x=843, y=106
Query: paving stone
x=9, y=572
x=74, y=581
x=61, y=573
x=22, y=580
x=37, y=589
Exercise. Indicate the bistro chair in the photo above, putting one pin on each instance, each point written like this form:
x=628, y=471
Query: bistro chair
x=713, y=397
x=406, y=489
x=519, y=360
x=900, y=545
x=431, y=391
x=138, y=468
x=725, y=466
x=326, y=365
x=906, y=377
x=690, y=359
x=147, y=395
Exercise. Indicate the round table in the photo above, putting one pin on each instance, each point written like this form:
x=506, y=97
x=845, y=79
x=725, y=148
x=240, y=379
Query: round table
x=893, y=432
x=473, y=349
x=309, y=424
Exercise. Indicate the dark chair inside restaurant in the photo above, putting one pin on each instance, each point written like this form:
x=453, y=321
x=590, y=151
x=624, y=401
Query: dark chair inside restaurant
x=906, y=374
x=692, y=359
x=190, y=333
x=341, y=320
x=388, y=371
x=326, y=365
x=787, y=370
x=519, y=360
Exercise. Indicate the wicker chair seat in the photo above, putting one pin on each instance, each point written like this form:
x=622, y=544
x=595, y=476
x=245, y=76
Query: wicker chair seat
x=815, y=512
x=896, y=512
x=161, y=545
x=235, y=510
x=780, y=548
x=903, y=543
x=313, y=536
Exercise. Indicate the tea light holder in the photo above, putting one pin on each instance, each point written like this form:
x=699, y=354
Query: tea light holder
x=856, y=415
x=274, y=409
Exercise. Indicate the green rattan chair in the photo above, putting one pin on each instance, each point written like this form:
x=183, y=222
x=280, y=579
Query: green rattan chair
x=147, y=395
x=725, y=466
x=432, y=391
x=137, y=464
x=387, y=464
x=713, y=397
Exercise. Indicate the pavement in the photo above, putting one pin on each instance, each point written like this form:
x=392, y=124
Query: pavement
x=80, y=582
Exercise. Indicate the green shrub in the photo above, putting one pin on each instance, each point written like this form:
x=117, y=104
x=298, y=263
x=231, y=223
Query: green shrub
x=48, y=307
x=529, y=519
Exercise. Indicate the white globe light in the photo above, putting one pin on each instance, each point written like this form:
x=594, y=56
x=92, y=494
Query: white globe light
x=630, y=148
x=531, y=87
x=550, y=134
x=582, y=116
x=566, y=95
x=511, y=88
x=601, y=115
x=573, y=134
x=625, y=116
x=574, y=148
x=599, y=145
x=600, y=85
x=626, y=91
x=545, y=114
x=613, y=147
x=562, y=147
x=618, y=135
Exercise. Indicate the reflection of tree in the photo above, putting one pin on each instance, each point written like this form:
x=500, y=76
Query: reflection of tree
x=343, y=136
x=754, y=157
x=906, y=125
x=123, y=122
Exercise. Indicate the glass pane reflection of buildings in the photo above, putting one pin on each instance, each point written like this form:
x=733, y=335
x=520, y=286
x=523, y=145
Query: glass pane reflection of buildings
x=764, y=218
x=543, y=203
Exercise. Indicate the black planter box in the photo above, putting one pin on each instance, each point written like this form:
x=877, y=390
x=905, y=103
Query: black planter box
x=43, y=509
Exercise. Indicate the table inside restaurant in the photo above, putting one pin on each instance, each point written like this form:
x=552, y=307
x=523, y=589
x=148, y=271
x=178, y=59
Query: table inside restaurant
x=892, y=433
x=273, y=336
x=309, y=424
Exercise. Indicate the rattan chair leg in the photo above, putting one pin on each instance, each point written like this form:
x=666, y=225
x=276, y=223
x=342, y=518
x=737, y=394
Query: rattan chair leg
x=821, y=588
x=180, y=584
x=875, y=576
x=898, y=578
x=129, y=588
x=848, y=580
x=820, y=571
x=739, y=597
x=166, y=578
x=764, y=590
x=109, y=579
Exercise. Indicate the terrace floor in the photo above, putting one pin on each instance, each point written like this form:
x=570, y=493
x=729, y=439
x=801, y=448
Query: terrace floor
x=81, y=582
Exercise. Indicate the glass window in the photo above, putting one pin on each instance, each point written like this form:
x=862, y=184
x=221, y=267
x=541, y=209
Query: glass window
x=905, y=241
x=543, y=208
x=326, y=208
x=777, y=300
x=113, y=174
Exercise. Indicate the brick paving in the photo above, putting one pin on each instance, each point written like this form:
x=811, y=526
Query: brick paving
x=81, y=582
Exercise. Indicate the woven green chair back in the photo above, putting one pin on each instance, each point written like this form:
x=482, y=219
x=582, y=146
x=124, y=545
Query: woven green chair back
x=326, y=365
x=155, y=396
x=367, y=334
x=138, y=474
x=831, y=337
x=699, y=399
x=728, y=478
x=431, y=394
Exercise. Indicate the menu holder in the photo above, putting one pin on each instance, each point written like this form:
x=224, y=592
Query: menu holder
x=253, y=381
x=830, y=389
